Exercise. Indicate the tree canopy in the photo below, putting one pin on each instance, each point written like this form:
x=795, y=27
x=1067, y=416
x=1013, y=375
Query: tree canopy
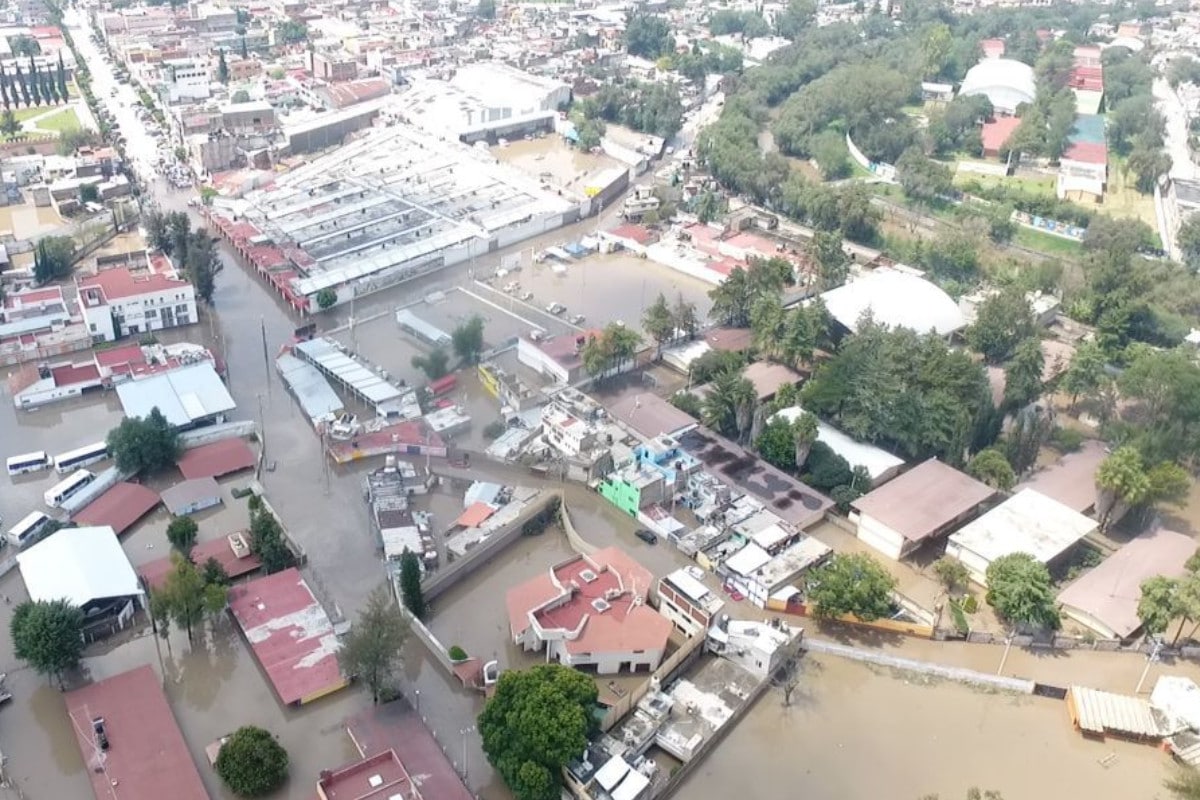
x=851, y=583
x=1003, y=321
x=48, y=635
x=537, y=720
x=373, y=649
x=144, y=444
x=648, y=36
x=467, y=339
x=186, y=598
x=252, y=763
x=1021, y=592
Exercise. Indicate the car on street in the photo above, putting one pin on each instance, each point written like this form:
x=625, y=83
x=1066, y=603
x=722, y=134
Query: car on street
x=649, y=537
x=577, y=319
x=556, y=308
x=526, y=296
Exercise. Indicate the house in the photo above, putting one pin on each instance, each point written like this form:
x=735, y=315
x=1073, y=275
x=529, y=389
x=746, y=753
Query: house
x=87, y=568
x=760, y=575
x=921, y=505
x=188, y=497
x=1028, y=522
x=591, y=611
x=649, y=415
x=119, y=302
x=1070, y=480
x=995, y=134
x=687, y=602
x=659, y=471
x=1105, y=599
x=559, y=358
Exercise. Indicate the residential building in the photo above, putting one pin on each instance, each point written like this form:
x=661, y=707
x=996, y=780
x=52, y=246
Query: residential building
x=120, y=302
x=567, y=432
x=687, y=602
x=333, y=66
x=660, y=470
x=559, y=358
x=186, y=80
x=591, y=611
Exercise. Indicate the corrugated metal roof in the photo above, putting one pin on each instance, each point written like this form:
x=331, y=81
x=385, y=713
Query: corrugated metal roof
x=1104, y=712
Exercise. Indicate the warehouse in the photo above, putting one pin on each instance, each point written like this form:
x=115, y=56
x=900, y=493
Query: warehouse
x=391, y=206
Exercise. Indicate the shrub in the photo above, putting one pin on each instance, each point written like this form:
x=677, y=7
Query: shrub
x=252, y=763
x=960, y=619
x=970, y=604
x=457, y=653
x=1066, y=440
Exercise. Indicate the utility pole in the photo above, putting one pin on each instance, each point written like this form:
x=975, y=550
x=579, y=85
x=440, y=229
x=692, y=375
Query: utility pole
x=262, y=322
x=1150, y=659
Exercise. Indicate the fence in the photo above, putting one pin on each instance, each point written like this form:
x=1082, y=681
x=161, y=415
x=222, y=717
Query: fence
x=959, y=674
x=888, y=625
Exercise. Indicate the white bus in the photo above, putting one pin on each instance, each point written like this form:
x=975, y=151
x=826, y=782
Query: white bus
x=27, y=530
x=74, y=459
x=58, y=494
x=29, y=462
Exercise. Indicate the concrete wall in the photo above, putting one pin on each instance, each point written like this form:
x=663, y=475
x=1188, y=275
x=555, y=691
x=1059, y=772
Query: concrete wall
x=879, y=536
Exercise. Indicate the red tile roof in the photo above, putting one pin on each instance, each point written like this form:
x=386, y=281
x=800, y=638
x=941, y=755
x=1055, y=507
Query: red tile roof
x=147, y=755
x=1086, y=78
x=565, y=601
x=636, y=233
x=993, y=48
x=125, y=354
x=291, y=635
x=216, y=459
x=155, y=573
x=120, y=283
x=34, y=296
x=378, y=777
x=1087, y=152
x=995, y=133
x=72, y=374
x=119, y=507
x=475, y=514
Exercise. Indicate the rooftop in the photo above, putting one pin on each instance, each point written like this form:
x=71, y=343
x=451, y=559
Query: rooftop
x=147, y=755
x=1070, y=480
x=922, y=501
x=1028, y=522
x=179, y=497
x=878, y=462
x=216, y=459
x=648, y=414
x=120, y=283
x=377, y=777
x=291, y=635
x=184, y=396
x=768, y=378
x=79, y=565
x=894, y=298
x=119, y=507
x=155, y=573
x=1109, y=594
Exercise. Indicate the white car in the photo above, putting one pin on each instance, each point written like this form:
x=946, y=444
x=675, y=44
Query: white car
x=695, y=572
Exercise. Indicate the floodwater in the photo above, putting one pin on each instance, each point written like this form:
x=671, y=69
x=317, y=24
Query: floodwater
x=28, y=220
x=550, y=159
x=855, y=731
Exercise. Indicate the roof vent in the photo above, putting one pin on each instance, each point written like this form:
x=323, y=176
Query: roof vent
x=587, y=576
x=375, y=781
x=600, y=605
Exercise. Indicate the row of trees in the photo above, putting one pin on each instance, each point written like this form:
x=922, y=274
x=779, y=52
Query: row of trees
x=53, y=258
x=193, y=251
x=653, y=108
x=667, y=324
x=35, y=87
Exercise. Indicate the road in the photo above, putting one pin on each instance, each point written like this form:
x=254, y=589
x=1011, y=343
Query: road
x=1182, y=166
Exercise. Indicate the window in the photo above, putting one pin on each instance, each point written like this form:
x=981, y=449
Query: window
x=93, y=327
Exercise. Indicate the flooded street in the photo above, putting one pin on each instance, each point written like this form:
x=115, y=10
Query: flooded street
x=552, y=160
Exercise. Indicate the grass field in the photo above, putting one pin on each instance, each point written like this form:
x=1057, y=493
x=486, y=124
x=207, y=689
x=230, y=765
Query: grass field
x=1046, y=243
x=1041, y=186
x=1123, y=200
x=23, y=114
x=60, y=122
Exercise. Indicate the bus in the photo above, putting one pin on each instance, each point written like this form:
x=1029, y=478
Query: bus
x=58, y=494
x=82, y=457
x=27, y=530
x=29, y=462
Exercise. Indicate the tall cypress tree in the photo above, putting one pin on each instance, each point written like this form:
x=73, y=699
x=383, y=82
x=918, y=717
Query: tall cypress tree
x=4, y=87
x=35, y=84
x=24, y=85
x=49, y=88
x=62, y=78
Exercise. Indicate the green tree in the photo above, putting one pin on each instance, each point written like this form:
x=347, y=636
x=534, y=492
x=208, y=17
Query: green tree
x=1123, y=484
x=144, y=444
x=1085, y=375
x=35, y=84
x=181, y=533
x=326, y=298
x=467, y=340
x=951, y=573
x=240, y=96
x=214, y=573
x=61, y=78
x=991, y=467
x=9, y=124
x=795, y=18
x=1004, y=320
x=648, y=36
x=804, y=436
x=267, y=542
x=89, y=193
x=729, y=405
x=1158, y=605
x=23, y=84
x=202, y=263
x=222, y=68
x=851, y=583
x=833, y=267
x=252, y=763
x=1021, y=592
x=1184, y=784
x=1023, y=375
x=54, y=258
x=537, y=720
x=1188, y=240
x=48, y=635
x=687, y=323
x=687, y=403
x=373, y=649
x=410, y=585
x=659, y=322
x=776, y=444
x=435, y=364
x=187, y=598
x=922, y=178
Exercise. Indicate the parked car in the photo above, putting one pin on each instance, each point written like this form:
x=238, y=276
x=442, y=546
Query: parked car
x=577, y=319
x=556, y=308
x=526, y=296
x=646, y=536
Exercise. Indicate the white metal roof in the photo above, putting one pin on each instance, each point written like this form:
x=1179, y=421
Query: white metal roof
x=1028, y=522
x=1179, y=698
x=895, y=299
x=183, y=395
x=688, y=585
x=879, y=462
x=630, y=788
x=310, y=388
x=78, y=565
x=1104, y=712
x=747, y=560
x=611, y=773
x=327, y=357
x=1004, y=81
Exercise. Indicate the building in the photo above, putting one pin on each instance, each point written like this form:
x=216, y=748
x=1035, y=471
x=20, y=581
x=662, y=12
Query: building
x=1028, y=522
x=119, y=507
x=996, y=133
x=1005, y=82
x=881, y=465
x=190, y=496
x=190, y=396
x=377, y=777
x=687, y=602
x=559, y=358
x=185, y=80
x=761, y=574
x=566, y=432
x=129, y=738
x=649, y=415
x=120, y=302
x=918, y=506
x=291, y=636
x=591, y=611
x=337, y=65
x=1105, y=599
x=87, y=568
x=216, y=459
x=1072, y=479
x=760, y=648
x=895, y=298
x=1083, y=167
x=1087, y=84
x=659, y=471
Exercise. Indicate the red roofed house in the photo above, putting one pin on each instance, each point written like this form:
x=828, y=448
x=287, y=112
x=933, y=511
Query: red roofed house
x=119, y=302
x=1087, y=84
x=1083, y=171
x=558, y=357
x=996, y=133
x=993, y=48
x=591, y=611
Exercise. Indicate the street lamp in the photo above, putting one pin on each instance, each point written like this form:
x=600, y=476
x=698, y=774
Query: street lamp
x=464, y=732
x=417, y=692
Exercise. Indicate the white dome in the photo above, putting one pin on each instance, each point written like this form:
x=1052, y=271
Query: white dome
x=895, y=299
x=1007, y=83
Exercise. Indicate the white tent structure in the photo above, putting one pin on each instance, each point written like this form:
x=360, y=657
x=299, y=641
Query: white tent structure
x=1005, y=82
x=84, y=566
x=896, y=299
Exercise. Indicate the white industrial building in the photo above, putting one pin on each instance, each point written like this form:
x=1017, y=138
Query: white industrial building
x=187, y=397
x=185, y=80
x=119, y=302
x=1005, y=82
x=1028, y=522
x=895, y=298
x=395, y=204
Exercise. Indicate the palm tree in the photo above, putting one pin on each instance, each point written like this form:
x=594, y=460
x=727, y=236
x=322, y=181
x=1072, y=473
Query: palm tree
x=729, y=406
x=768, y=321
